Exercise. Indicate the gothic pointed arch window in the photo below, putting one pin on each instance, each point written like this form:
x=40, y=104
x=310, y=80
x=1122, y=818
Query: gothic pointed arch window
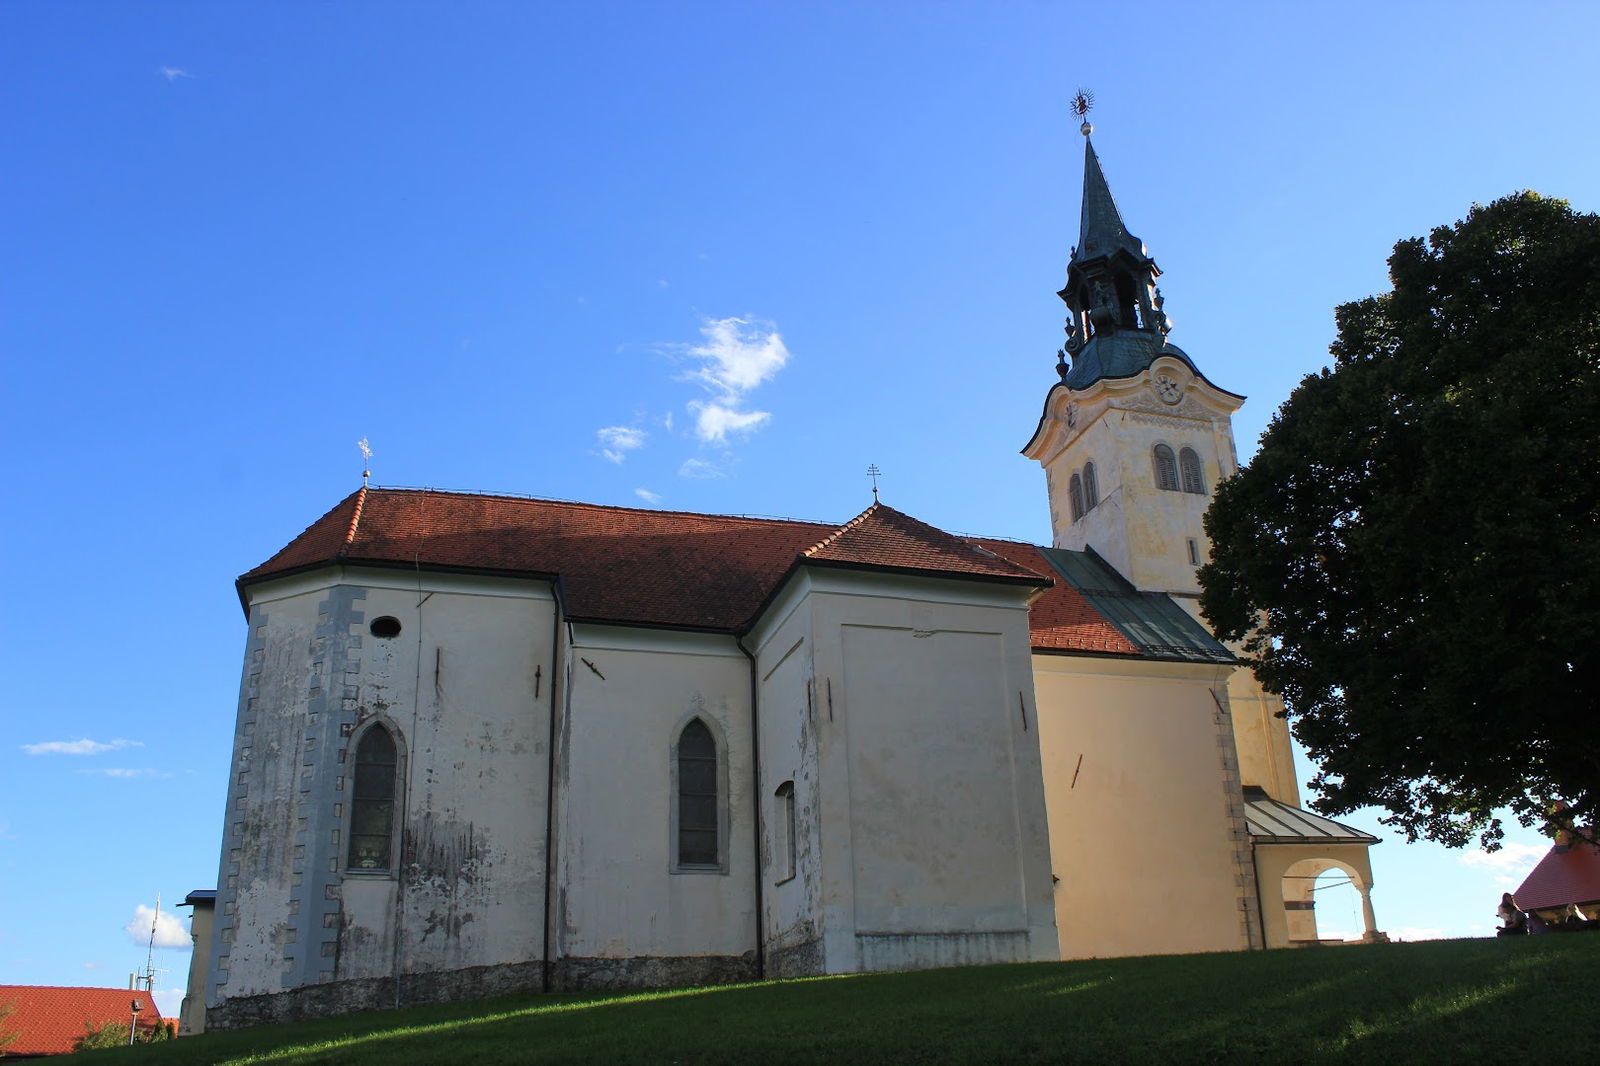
x=1091, y=487
x=1076, y=495
x=698, y=807
x=374, y=807
x=1166, y=465
x=1189, y=466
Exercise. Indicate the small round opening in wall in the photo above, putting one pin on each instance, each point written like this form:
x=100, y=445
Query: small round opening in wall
x=385, y=627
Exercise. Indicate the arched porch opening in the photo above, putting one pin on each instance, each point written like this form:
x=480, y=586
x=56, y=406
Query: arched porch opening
x=1323, y=901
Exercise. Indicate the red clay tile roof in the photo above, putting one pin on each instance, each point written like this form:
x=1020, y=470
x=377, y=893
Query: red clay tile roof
x=1062, y=619
x=882, y=537
x=49, y=1021
x=1565, y=875
x=619, y=564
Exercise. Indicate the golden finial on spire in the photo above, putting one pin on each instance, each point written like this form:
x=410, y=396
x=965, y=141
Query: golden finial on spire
x=1082, y=104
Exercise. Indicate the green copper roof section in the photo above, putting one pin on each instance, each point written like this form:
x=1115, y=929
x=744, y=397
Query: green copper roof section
x=1101, y=231
x=1154, y=624
x=1120, y=354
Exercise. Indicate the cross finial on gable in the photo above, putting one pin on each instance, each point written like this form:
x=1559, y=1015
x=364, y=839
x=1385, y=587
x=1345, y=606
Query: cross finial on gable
x=366, y=460
x=873, y=472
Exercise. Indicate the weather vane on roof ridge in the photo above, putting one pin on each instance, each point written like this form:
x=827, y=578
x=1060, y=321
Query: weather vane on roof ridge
x=366, y=460
x=874, y=473
x=1082, y=104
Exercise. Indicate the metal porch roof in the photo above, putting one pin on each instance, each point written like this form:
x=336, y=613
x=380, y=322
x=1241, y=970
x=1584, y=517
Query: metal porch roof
x=1272, y=822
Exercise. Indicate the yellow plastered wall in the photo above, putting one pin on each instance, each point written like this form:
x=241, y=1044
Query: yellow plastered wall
x=1146, y=829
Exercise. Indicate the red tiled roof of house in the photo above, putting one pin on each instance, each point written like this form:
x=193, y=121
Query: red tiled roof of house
x=620, y=564
x=1565, y=875
x=1062, y=619
x=49, y=1021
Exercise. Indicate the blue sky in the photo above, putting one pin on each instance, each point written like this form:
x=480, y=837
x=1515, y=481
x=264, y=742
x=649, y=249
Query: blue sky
x=708, y=256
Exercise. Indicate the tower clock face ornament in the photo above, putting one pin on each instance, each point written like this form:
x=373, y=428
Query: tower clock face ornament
x=1071, y=415
x=1166, y=388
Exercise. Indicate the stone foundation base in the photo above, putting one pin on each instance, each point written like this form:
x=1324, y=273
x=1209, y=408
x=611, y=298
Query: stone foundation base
x=796, y=960
x=677, y=971
x=479, y=982
x=375, y=993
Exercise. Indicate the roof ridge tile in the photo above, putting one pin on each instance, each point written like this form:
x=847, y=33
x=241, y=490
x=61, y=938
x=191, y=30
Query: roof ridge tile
x=355, y=520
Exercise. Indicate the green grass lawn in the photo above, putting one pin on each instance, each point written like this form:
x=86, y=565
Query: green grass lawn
x=1530, y=1000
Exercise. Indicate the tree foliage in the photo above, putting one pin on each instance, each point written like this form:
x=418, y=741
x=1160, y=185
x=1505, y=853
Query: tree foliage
x=114, y=1033
x=1413, y=556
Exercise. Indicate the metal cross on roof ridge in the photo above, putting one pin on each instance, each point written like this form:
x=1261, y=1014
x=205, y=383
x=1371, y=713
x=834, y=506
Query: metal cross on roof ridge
x=873, y=472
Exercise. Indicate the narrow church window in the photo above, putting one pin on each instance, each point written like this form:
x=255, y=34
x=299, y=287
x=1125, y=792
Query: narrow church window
x=372, y=810
x=1091, y=489
x=1189, y=463
x=783, y=830
x=1166, y=468
x=697, y=796
x=1077, y=497
x=1194, y=552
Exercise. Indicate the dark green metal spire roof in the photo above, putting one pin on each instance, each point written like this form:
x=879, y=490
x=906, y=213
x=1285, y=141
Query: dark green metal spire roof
x=1101, y=231
x=1120, y=355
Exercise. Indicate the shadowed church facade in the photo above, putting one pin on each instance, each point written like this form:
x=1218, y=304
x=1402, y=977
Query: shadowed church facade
x=488, y=743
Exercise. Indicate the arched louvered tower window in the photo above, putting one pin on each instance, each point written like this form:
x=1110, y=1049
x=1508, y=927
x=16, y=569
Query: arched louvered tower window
x=1166, y=468
x=1189, y=467
x=698, y=803
x=1091, y=487
x=1077, y=497
x=373, y=813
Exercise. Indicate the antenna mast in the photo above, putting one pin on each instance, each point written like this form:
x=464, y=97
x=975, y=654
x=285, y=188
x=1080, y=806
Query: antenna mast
x=147, y=978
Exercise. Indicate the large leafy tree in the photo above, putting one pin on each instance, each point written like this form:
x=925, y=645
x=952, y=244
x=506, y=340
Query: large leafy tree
x=1412, y=558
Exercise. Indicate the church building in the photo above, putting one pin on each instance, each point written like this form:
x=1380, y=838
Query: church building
x=491, y=743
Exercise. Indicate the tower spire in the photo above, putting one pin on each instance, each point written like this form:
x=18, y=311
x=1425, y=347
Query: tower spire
x=1111, y=293
x=1101, y=231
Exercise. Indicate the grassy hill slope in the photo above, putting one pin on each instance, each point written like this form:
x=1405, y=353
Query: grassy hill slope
x=1467, y=1001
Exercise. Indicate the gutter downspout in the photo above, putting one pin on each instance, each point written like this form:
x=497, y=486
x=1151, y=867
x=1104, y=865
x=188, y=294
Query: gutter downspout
x=550, y=781
x=1261, y=904
x=756, y=792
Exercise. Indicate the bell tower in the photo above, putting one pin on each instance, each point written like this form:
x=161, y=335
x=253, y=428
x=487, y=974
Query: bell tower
x=1133, y=438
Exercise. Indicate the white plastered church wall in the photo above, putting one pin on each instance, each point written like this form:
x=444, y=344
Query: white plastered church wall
x=458, y=688
x=625, y=913
x=934, y=846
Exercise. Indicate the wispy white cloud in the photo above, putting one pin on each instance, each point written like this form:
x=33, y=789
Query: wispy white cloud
x=1417, y=932
x=1510, y=864
x=169, y=928
x=80, y=747
x=617, y=441
x=169, y=1001
x=699, y=469
x=94, y=966
x=652, y=498
x=735, y=356
x=738, y=354
x=174, y=73
x=126, y=771
x=713, y=421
